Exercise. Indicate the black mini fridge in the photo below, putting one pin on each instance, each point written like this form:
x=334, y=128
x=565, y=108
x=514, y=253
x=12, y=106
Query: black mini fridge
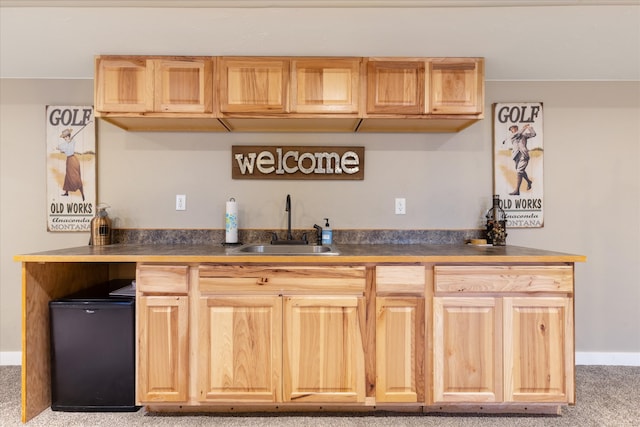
x=93, y=351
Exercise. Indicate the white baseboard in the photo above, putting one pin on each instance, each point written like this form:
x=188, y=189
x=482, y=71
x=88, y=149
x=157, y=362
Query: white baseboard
x=8, y=358
x=617, y=359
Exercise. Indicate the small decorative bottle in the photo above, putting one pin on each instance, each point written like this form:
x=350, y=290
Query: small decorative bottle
x=496, y=224
x=101, y=227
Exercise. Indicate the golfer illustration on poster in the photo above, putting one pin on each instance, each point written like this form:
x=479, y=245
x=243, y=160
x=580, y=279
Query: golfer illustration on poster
x=518, y=162
x=71, y=168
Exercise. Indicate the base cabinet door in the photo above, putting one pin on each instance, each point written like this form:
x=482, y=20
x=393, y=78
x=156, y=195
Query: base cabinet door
x=239, y=348
x=467, y=349
x=163, y=349
x=400, y=349
x=539, y=360
x=503, y=349
x=323, y=349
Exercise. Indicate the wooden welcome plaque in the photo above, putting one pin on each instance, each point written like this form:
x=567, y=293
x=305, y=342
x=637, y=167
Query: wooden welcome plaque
x=297, y=162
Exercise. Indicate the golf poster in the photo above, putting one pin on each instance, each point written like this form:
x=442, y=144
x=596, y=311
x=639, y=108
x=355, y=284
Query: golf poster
x=518, y=162
x=71, y=167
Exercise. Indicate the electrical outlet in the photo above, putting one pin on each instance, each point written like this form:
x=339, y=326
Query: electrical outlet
x=181, y=202
x=401, y=206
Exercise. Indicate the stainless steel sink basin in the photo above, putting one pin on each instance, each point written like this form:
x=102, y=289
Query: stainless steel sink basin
x=282, y=249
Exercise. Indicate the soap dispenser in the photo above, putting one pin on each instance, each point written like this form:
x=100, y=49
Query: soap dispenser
x=327, y=233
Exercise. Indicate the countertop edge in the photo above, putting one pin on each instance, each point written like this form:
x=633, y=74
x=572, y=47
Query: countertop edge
x=361, y=254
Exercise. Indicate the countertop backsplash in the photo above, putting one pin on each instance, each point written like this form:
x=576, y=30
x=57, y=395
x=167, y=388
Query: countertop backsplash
x=346, y=236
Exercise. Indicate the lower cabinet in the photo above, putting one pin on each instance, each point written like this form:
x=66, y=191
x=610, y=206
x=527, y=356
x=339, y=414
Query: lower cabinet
x=539, y=360
x=163, y=334
x=286, y=334
x=323, y=349
x=239, y=348
x=424, y=336
x=495, y=344
x=400, y=334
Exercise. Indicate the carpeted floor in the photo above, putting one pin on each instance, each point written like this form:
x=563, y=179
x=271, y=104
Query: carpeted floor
x=607, y=396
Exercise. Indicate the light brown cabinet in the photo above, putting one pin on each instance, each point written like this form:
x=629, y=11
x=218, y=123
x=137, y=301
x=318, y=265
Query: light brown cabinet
x=423, y=94
x=293, y=334
x=123, y=84
x=323, y=349
x=497, y=328
x=163, y=324
x=539, y=360
x=239, y=341
x=400, y=334
x=493, y=342
x=289, y=94
x=156, y=93
x=325, y=85
x=254, y=85
x=285, y=334
x=456, y=86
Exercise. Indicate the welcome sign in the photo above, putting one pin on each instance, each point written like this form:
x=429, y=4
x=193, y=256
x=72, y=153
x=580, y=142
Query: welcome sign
x=297, y=162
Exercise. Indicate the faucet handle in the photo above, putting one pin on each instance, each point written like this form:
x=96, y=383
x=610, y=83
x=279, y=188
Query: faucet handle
x=274, y=237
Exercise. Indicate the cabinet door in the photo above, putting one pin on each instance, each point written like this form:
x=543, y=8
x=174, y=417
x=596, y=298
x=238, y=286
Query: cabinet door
x=400, y=349
x=163, y=351
x=395, y=87
x=124, y=84
x=239, y=348
x=254, y=85
x=457, y=86
x=538, y=350
x=325, y=85
x=467, y=349
x=184, y=85
x=323, y=349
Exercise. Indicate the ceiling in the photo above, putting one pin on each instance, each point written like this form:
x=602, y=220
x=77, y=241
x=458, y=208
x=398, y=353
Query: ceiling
x=520, y=40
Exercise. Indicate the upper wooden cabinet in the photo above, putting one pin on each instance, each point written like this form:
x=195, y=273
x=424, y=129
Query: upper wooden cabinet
x=183, y=85
x=156, y=93
x=290, y=94
x=254, y=85
x=123, y=84
x=423, y=94
x=457, y=86
x=325, y=85
x=395, y=86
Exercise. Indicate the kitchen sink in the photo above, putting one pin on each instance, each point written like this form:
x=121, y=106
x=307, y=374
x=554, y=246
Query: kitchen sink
x=283, y=249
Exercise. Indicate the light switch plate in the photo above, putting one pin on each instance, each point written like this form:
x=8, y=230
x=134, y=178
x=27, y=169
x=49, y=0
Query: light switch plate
x=181, y=202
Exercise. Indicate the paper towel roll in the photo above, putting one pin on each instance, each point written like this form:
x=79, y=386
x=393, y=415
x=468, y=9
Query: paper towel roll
x=231, y=221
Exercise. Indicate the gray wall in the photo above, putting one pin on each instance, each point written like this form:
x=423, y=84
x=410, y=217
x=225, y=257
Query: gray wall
x=592, y=189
